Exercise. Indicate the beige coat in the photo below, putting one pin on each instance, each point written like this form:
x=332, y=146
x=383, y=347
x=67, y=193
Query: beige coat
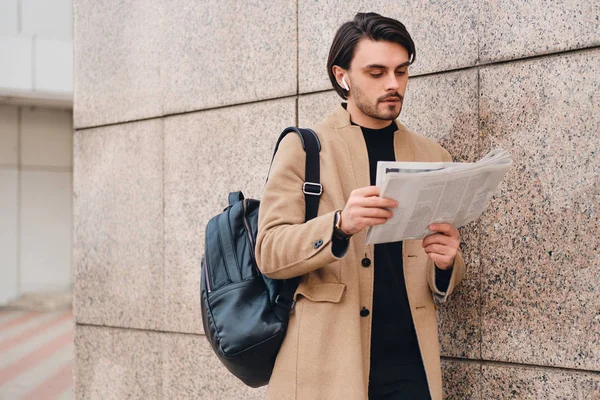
x=326, y=352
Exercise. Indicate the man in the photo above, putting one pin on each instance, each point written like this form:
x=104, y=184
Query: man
x=364, y=324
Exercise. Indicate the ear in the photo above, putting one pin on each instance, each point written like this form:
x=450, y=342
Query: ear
x=339, y=73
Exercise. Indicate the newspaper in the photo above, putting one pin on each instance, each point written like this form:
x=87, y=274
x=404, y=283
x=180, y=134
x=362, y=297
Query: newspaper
x=455, y=193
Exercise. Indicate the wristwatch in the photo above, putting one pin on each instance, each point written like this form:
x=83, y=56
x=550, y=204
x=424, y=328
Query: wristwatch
x=337, y=227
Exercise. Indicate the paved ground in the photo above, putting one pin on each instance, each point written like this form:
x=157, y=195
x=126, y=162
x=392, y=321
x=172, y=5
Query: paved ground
x=36, y=352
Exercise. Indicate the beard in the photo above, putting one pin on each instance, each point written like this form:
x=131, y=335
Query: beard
x=388, y=112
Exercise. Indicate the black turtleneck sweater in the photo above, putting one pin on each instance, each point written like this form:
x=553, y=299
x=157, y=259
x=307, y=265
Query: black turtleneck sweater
x=396, y=366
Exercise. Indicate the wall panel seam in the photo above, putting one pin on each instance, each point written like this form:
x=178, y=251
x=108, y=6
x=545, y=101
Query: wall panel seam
x=164, y=222
x=507, y=364
x=478, y=245
x=183, y=113
x=297, y=50
x=127, y=328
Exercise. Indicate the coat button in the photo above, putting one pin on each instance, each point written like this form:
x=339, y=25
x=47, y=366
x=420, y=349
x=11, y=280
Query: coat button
x=364, y=312
x=318, y=244
x=366, y=262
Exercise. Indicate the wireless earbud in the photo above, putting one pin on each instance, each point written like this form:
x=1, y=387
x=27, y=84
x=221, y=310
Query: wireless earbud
x=345, y=84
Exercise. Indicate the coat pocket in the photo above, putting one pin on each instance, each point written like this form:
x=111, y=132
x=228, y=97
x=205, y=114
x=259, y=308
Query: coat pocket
x=321, y=292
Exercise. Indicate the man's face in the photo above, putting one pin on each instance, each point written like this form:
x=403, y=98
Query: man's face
x=378, y=75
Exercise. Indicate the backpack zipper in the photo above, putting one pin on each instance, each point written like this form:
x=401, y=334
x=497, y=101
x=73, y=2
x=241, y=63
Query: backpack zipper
x=206, y=277
x=244, y=207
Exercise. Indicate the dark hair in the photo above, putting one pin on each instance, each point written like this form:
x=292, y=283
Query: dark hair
x=370, y=25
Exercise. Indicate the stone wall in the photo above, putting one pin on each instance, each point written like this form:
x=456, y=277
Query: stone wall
x=176, y=103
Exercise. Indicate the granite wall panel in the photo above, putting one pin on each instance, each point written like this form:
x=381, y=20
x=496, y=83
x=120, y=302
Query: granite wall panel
x=140, y=59
x=118, y=225
x=227, y=52
x=522, y=382
x=191, y=370
x=445, y=34
x=113, y=363
x=444, y=107
x=540, y=244
x=314, y=107
x=461, y=380
x=118, y=52
x=207, y=155
x=523, y=28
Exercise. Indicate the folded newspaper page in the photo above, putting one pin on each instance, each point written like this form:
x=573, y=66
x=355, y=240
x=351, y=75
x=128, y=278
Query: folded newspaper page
x=455, y=193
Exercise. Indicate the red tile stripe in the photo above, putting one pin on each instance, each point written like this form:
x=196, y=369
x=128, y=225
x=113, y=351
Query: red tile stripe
x=32, y=359
x=20, y=320
x=54, y=385
x=34, y=331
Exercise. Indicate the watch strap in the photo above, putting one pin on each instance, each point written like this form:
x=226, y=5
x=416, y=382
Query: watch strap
x=337, y=231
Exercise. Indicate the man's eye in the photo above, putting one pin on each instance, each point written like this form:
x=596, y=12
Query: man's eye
x=376, y=75
x=400, y=73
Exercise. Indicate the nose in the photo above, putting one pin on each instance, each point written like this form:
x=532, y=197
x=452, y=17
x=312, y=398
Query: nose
x=391, y=82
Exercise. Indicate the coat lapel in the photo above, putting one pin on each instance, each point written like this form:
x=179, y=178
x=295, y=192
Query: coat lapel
x=352, y=137
x=402, y=147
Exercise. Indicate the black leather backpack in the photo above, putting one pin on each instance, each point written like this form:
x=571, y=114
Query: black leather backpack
x=244, y=313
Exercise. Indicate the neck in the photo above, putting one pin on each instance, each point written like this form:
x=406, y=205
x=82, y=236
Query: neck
x=360, y=118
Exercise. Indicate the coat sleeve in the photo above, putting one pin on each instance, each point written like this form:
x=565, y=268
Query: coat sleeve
x=458, y=272
x=287, y=246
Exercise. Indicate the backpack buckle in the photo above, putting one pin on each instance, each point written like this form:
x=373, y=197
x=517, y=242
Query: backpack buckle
x=284, y=303
x=311, y=188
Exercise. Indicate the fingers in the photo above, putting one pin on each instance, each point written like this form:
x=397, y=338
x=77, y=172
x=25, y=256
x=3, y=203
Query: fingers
x=367, y=191
x=356, y=218
x=365, y=208
x=380, y=202
x=369, y=197
x=442, y=262
x=444, y=228
x=439, y=249
x=438, y=238
x=372, y=221
x=442, y=247
x=370, y=212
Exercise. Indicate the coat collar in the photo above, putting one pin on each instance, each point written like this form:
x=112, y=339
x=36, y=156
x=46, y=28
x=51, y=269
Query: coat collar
x=339, y=119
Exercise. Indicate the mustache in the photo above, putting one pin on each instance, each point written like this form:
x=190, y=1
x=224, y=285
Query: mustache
x=395, y=96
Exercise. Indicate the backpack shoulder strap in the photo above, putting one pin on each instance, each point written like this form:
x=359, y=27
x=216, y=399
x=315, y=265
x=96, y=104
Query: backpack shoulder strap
x=312, y=190
x=312, y=187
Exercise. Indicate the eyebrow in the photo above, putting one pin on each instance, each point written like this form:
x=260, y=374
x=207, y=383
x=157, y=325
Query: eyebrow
x=378, y=66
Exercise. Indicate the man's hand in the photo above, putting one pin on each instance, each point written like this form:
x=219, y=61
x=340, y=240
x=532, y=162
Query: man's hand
x=442, y=246
x=365, y=208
